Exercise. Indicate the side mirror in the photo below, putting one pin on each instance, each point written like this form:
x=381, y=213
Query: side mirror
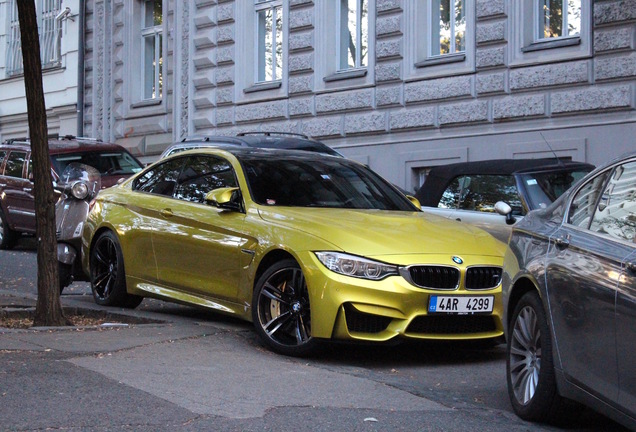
x=414, y=201
x=505, y=210
x=224, y=198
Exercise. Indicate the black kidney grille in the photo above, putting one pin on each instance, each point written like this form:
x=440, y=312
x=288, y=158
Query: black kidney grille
x=482, y=277
x=435, y=277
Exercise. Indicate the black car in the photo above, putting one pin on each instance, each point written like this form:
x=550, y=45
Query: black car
x=569, y=298
x=278, y=140
x=468, y=191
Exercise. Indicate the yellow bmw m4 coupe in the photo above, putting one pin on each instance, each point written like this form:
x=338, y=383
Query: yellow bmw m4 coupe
x=306, y=246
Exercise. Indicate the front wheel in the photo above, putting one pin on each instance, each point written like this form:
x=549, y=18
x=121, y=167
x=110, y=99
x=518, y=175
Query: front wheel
x=529, y=364
x=65, y=273
x=8, y=237
x=108, y=278
x=281, y=310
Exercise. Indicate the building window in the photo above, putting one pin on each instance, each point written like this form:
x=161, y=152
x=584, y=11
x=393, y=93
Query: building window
x=269, y=40
x=152, y=49
x=558, y=18
x=448, y=27
x=353, y=44
x=547, y=30
x=50, y=31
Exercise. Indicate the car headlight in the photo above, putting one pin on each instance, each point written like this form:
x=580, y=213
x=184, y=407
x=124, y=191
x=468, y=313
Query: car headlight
x=355, y=266
x=79, y=190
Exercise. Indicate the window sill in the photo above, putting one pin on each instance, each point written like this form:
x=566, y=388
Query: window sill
x=346, y=74
x=270, y=85
x=441, y=60
x=146, y=103
x=551, y=44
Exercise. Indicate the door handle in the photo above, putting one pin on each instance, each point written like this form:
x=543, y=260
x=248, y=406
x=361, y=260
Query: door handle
x=562, y=242
x=167, y=213
x=3, y=185
x=631, y=266
x=27, y=189
x=458, y=219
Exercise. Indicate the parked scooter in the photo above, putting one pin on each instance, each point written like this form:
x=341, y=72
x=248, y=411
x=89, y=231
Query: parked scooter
x=79, y=185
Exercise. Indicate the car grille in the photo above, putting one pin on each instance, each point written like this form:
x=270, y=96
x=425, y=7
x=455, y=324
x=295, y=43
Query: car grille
x=437, y=277
x=360, y=322
x=452, y=324
x=482, y=277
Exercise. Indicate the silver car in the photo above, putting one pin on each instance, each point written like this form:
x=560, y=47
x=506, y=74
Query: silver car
x=569, y=293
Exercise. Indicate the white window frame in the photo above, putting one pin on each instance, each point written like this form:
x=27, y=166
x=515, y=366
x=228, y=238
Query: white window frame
x=50, y=30
x=260, y=6
x=419, y=38
x=342, y=63
x=528, y=47
x=156, y=33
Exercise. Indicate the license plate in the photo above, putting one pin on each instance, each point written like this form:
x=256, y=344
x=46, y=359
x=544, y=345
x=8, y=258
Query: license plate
x=460, y=304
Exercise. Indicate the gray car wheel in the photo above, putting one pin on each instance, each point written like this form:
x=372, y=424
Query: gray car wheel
x=281, y=310
x=529, y=364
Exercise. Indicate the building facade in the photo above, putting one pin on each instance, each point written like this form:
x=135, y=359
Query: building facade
x=401, y=85
x=60, y=49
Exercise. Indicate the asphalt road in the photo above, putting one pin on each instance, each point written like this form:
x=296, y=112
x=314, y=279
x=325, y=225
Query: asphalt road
x=195, y=370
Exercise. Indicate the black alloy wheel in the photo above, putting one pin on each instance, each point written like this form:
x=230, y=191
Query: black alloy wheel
x=529, y=364
x=281, y=311
x=8, y=237
x=108, y=278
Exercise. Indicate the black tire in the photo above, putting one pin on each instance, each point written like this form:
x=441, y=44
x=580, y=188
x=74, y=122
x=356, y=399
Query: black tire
x=108, y=277
x=530, y=366
x=281, y=310
x=8, y=237
x=65, y=275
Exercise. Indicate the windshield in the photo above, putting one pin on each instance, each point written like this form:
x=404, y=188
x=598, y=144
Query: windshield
x=329, y=182
x=106, y=162
x=543, y=188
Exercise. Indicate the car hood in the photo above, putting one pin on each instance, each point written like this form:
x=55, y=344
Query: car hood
x=378, y=233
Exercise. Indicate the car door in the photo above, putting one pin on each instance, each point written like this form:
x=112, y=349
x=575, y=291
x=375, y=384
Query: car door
x=626, y=334
x=19, y=201
x=583, y=272
x=198, y=246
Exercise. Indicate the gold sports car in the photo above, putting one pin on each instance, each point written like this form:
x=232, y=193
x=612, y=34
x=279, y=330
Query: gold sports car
x=306, y=246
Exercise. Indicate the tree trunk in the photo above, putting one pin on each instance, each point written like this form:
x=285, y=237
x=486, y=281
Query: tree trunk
x=48, y=311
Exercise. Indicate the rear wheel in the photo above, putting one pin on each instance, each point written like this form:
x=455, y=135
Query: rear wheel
x=280, y=310
x=65, y=275
x=108, y=278
x=8, y=237
x=529, y=364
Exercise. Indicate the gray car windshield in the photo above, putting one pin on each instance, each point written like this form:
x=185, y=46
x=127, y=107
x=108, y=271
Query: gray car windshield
x=329, y=182
x=543, y=188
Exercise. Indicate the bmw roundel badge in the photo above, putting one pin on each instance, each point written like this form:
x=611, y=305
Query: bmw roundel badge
x=457, y=260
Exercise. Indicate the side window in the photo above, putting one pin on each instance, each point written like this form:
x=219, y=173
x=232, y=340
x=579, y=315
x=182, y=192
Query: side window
x=2, y=155
x=584, y=202
x=201, y=175
x=15, y=164
x=616, y=211
x=481, y=192
x=162, y=179
x=450, y=197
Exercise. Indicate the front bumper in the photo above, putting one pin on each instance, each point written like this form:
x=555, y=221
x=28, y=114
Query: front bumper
x=349, y=308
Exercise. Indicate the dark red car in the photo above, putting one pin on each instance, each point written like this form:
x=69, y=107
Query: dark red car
x=17, y=205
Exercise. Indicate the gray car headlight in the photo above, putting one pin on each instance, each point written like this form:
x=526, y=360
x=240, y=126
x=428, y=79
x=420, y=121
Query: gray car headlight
x=79, y=190
x=355, y=266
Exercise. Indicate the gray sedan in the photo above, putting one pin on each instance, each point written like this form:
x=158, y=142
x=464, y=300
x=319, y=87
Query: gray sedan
x=569, y=292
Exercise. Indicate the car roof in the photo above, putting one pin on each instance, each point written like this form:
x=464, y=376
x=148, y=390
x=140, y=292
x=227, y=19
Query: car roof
x=438, y=177
x=278, y=140
x=242, y=153
x=65, y=144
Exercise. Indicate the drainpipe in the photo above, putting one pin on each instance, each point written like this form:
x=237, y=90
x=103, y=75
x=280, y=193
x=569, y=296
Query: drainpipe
x=80, y=70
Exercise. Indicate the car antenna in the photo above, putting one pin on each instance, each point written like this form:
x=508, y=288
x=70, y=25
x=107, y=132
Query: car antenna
x=552, y=150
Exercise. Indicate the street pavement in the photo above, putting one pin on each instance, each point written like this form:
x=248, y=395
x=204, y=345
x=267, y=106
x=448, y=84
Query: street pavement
x=190, y=370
